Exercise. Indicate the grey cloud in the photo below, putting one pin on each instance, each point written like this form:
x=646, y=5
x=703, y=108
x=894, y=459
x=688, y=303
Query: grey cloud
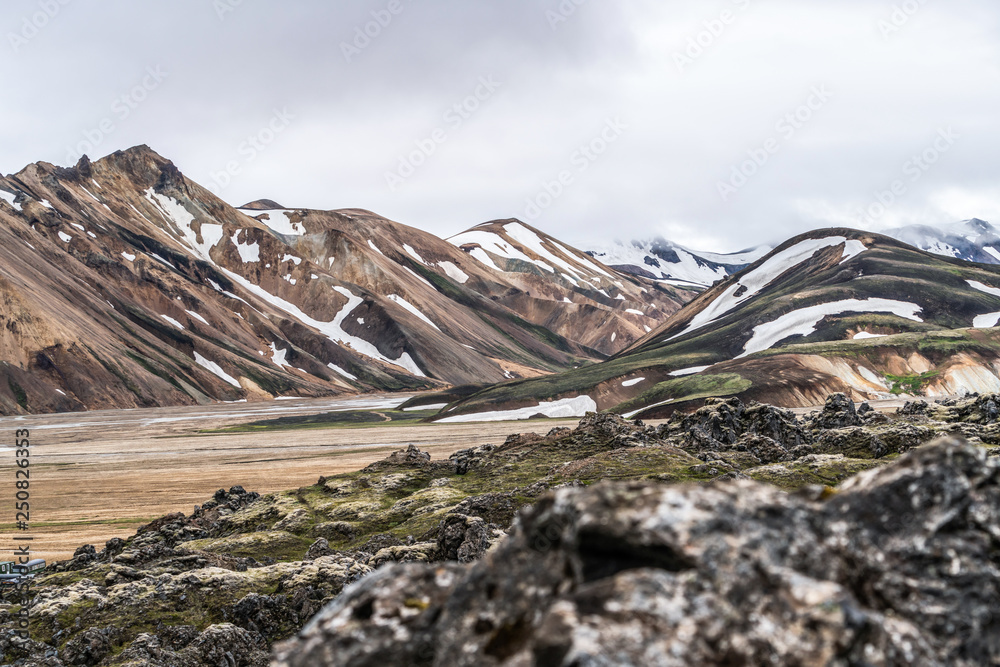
x=692, y=117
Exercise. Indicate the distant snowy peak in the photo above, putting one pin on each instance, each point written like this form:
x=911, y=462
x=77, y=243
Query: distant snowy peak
x=660, y=259
x=514, y=245
x=972, y=240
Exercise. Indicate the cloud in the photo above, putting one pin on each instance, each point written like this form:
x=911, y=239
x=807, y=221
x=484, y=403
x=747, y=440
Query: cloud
x=699, y=87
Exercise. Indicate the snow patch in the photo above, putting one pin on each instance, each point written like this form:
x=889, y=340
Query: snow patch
x=249, y=252
x=455, y=273
x=976, y=285
x=587, y=262
x=278, y=356
x=293, y=258
x=690, y=371
x=435, y=406
x=852, y=249
x=413, y=253
x=65, y=237
x=484, y=258
x=635, y=312
x=197, y=317
x=632, y=414
x=567, y=407
x=216, y=370
x=413, y=309
x=418, y=277
x=864, y=335
x=534, y=243
x=632, y=383
x=9, y=198
x=870, y=376
x=173, y=321
x=803, y=321
x=140, y=214
x=332, y=329
x=496, y=245
x=278, y=221
x=753, y=282
x=182, y=218
x=375, y=247
x=337, y=369
x=987, y=321
x=46, y=204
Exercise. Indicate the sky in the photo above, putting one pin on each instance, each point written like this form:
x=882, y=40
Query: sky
x=719, y=125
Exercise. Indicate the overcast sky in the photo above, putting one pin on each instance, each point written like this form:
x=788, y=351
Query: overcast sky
x=590, y=119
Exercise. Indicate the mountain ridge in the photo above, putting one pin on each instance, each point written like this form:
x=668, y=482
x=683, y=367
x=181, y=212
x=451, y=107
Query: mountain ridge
x=128, y=276
x=833, y=310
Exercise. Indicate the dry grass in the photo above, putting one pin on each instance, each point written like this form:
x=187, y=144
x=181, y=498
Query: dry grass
x=103, y=474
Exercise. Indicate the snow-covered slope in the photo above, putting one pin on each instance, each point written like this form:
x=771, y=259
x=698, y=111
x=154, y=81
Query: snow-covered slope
x=124, y=284
x=599, y=306
x=660, y=259
x=831, y=310
x=972, y=240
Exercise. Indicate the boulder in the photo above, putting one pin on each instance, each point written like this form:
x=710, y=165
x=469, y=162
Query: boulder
x=837, y=412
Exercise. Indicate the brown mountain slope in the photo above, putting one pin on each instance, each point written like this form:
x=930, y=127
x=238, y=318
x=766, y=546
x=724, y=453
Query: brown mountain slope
x=124, y=284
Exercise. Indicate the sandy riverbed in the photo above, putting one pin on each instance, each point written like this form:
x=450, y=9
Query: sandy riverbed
x=100, y=475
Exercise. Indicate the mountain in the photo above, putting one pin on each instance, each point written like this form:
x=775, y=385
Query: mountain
x=565, y=290
x=126, y=284
x=663, y=260
x=972, y=240
x=834, y=310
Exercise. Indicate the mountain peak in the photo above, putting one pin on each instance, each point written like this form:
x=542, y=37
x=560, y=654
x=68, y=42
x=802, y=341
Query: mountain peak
x=263, y=205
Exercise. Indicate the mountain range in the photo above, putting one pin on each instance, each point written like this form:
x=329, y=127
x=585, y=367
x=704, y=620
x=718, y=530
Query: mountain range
x=126, y=284
x=833, y=310
x=123, y=283
x=972, y=240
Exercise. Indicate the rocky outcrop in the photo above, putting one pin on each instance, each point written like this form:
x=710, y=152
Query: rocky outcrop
x=268, y=564
x=897, y=568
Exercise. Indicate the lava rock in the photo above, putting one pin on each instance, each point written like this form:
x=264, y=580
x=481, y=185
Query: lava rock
x=837, y=412
x=896, y=568
x=318, y=549
x=462, y=538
